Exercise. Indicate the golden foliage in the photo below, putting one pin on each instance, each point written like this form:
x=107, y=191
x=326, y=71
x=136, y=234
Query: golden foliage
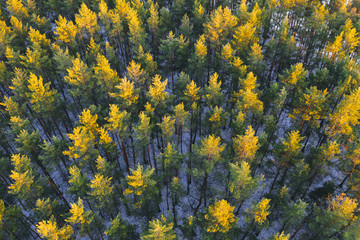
x=200, y=47
x=21, y=182
x=50, y=230
x=346, y=115
x=78, y=214
x=247, y=145
x=260, y=210
x=220, y=217
x=160, y=230
x=86, y=20
x=139, y=180
x=157, y=91
x=106, y=76
x=101, y=186
x=127, y=93
x=220, y=25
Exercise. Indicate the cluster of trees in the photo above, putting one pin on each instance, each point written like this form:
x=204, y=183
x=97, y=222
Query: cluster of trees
x=182, y=119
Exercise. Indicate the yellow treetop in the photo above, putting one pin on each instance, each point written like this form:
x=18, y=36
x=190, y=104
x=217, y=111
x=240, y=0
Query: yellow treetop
x=37, y=38
x=50, y=230
x=331, y=150
x=167, y=126
x=17, y=25
x=192, y=92
x=17, y=8
x=11, y=107
x=21, y=182
x=311, y=106
x=296, y=75
x=343, y=207
x=247, y=145
x=83, y=141
x=100, y=164
x=5, y=33
x=21, y=163
x=127, y=93
x=138, y=180
x=106, y=76
x=198, y=9
x=77, y=74
x=200, y=47
x=320, y=13
x=211, y=148
x=248, y=98
x=135, y=27
x=153, y=19
x=41, y=95
x=220, y=217
x=215, y=118
x=213, y=90
x=135, y=73
x=256, y=52
x=244, y=37
x=104, y=136
x=101, y=186
x=346, y=115
x=281, y=236
x=89, y=121
x=227, y=52
x=117, y=119
x=220, y=25
x=78, y=214
x=292, y=144
x=160, y=230
x=157, y=92
x=180, y=113
x=86, y=20
x=260, y=210
x=143, y=129
x=255, y=16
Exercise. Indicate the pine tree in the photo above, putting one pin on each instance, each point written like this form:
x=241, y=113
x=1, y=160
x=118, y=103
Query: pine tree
x=105, y=75
x=220, y=217
x=22, y=177
x=42, y=98
x=311, y=107
x=213, y=95
x=241, y=183
x=86, y=21
x=160, y=230
x=101, y=189
x=157, y=93
x=140, y=183
x=137, y=32
x=220, y=25
x=79, y=76
x=79, y=182
x=80, y=216
x=345, y=115
x=128, y=95
x=17, y=9
x=51, y=231
x=83, y=143
x=248, y=98
x=260, y=211
x=246, y=146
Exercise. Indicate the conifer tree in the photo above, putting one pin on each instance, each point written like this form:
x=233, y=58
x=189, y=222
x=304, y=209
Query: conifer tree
x=86, y=21
x=160, y=230
x=220, y=217
x=140, y=183
x=50, y=230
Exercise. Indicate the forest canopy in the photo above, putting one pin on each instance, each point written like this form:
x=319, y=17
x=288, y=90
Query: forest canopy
x=182, y=119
